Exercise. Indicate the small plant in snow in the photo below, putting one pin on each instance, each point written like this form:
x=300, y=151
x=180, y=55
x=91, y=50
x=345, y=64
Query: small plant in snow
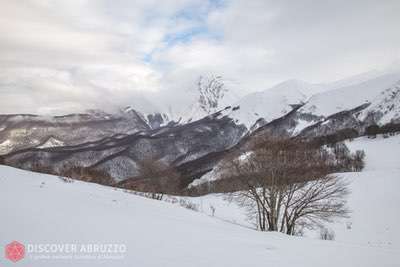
x=212, y=208
x=326, y=234
x=188, y=205
x=66, y=179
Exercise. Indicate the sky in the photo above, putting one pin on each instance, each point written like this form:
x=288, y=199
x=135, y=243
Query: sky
x=67, y=56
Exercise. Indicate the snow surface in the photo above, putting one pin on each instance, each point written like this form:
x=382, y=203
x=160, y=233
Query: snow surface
x=374, y=195
x=270, y=104
x=38, y=208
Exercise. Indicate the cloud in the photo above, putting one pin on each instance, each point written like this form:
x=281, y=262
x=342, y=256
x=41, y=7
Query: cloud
x=75, y=55
x=66, y=56
x=264, y=42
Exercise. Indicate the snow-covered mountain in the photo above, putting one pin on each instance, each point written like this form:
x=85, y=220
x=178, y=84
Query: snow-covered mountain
x=348, y=97
x=264, y=105
x=385, y=107
x=317, y=100
x=270, y=104
x=210, y=96
x=115, y=143
x=182, y=146
x=373, y=101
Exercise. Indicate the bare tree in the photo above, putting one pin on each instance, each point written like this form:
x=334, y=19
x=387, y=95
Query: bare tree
x=287, y=185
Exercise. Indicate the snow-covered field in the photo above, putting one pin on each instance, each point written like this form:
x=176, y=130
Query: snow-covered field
x=44, y=209
x=374, y=199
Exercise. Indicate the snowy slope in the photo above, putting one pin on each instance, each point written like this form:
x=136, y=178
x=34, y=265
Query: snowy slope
x=322, y=99
x=43, y=209
x=349, y=97
x=385, y=107
x=374, y=198
x=270, y=104
x=382, y=154
x=358, y=78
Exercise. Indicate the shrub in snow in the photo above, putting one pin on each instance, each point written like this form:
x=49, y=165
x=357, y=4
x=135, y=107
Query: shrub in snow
x=326, y=234
x=188, y=205
x=212, y=209
x=66, y=179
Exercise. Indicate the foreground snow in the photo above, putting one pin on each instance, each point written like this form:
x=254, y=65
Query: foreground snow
x=39, y=208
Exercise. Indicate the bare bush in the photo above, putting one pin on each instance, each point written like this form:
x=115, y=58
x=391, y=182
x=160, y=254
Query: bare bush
x=326, y=234
x=188, y=204
x=66, y=179
x=212, y=209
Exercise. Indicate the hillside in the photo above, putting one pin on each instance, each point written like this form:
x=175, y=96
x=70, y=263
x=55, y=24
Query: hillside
x=48, y=210
x=182, y=146
x=270, y=104
x=21, y=131
x=348, y=97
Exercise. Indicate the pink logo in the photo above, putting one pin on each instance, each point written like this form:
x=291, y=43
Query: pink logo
x=15, y=251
